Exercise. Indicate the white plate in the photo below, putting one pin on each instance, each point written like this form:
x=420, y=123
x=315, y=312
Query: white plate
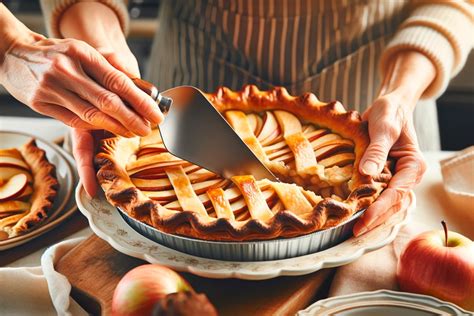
x=64, y=204
x=383, y=302
x=107, y=223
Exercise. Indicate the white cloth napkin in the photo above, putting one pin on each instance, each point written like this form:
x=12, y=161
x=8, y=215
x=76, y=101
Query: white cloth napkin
x=375, y=270
x=458, y=182
x=39, y=290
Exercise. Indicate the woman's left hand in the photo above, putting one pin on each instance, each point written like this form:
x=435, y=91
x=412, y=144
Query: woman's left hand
x=392, y=134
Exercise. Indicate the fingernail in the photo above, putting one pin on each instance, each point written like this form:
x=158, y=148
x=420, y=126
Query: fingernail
x=129, y=135
x=370, y=168
x=90, y=195
x=157, y=119
x=362, y=231
x=161, y=117
x=158, y=113
x=144, y=130
x=91, y=192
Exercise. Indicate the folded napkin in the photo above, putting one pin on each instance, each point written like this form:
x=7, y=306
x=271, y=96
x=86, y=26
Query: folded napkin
x=377, y=269
x=458, y=182
x=39, y=290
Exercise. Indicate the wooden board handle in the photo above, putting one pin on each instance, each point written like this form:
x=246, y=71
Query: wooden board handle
x=94, y=268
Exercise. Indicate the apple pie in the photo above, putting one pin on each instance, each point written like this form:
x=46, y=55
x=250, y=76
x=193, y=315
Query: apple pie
x=28, y=186
x=314, y=148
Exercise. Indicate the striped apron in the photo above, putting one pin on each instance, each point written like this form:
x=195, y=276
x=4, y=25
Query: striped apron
x=328, y=47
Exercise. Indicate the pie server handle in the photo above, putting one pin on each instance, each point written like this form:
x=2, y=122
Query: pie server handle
x=149, y=88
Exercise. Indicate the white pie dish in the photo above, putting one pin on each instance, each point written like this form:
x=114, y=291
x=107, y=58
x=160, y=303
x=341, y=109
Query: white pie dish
x=262, y=250
x=383, y=302
x=64, y=205
x=108, y=224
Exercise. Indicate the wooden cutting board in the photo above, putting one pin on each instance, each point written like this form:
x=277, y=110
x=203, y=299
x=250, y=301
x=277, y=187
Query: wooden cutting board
x=94, y=268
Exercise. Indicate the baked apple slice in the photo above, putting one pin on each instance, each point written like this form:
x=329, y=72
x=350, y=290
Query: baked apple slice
x=13, y=187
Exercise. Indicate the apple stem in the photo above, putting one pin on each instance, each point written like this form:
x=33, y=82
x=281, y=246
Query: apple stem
x=445, y=233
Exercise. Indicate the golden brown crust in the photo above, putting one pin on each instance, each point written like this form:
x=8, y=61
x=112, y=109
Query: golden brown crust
x=121, y=192
x=45, y=187
x=332, y=115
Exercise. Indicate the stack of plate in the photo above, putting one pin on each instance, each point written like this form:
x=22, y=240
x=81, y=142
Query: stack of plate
x=64, y=205
x=383, y=302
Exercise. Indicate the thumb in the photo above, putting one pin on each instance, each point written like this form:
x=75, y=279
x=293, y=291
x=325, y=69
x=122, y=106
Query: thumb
x=83, y=152
x=382, y=138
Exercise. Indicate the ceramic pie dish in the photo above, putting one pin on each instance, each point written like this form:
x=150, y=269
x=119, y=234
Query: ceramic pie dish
x=313, y=147
x=64, y=203
x=261, y=250
x=107, y=223
x=28, y=188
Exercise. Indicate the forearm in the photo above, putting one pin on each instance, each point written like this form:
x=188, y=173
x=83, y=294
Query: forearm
x=11, y=31
x=409, y=73
x=94, y=23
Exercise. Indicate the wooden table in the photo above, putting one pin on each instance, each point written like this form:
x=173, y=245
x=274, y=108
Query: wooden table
x=101, y=268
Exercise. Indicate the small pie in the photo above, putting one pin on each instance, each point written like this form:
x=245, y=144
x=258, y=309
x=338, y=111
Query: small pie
x=314, y=148
x=28, y=186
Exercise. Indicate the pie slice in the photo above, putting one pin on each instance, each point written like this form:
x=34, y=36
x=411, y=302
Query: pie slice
x=28, y=186
x=313, y=147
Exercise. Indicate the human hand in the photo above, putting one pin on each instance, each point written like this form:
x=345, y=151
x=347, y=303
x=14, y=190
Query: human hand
x=85, y=141
x=96, y=24
x=84, y=147
x=69, y=80
x=392, y=134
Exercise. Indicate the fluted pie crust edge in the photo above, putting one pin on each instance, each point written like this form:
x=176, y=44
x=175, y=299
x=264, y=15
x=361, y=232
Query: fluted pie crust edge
x=45, y=188
x=121, y=192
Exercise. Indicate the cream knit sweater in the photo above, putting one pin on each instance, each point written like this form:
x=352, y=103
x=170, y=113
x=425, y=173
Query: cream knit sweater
x=442, y=30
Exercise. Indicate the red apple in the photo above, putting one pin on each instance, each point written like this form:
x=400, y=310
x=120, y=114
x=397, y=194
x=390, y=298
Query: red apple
x=441, y=264
x=140, y=289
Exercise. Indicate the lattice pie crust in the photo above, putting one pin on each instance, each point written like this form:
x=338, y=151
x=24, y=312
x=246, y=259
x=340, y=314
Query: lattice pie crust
x=313, y=147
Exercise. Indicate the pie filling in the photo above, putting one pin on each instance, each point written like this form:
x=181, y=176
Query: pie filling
x=27, y=189
x=320, y=186
x=318, y=161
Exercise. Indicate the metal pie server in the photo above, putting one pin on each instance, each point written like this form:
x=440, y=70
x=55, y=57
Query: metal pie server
x=195, y=131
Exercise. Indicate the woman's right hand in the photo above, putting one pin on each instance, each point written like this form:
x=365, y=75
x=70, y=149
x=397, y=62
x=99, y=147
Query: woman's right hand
x=69, y=80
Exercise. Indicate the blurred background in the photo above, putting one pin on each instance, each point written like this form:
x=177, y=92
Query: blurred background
x=455, y=107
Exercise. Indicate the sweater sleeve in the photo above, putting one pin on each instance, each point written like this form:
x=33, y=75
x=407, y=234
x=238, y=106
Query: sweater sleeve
x=54, y=9
x=442, y=30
